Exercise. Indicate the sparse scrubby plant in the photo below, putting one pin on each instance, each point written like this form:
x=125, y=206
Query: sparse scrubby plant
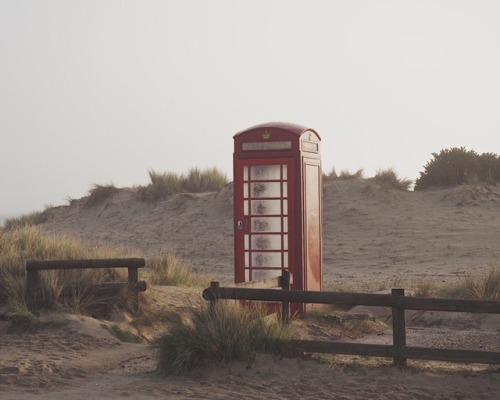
x=389, y=179
x=216, y=334
x=100, y=193
x=457, y=166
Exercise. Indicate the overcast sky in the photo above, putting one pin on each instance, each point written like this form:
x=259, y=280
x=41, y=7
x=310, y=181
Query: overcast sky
x=99, y=92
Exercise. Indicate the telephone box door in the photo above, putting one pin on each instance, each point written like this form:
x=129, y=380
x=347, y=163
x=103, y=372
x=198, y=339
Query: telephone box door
x=263, y=212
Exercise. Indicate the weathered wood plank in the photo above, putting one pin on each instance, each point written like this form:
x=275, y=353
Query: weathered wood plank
x=75, y=264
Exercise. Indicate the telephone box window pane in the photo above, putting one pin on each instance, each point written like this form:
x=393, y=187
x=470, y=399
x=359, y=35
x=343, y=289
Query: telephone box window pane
x=285, y=259
x=266, y=189
x=247, y=259
x=266, y=242
x=265, y=172
x=245, y=173
x=266, y=207
x=285, y=242
x=247, y=243
x=266, y=260
x=245, y=190
x=285, y=224
x=285, y=207
x=258, y=275
x=266, y=224
x=285, y=189
x=245, y=207
x=247, y=275
x=284, y=172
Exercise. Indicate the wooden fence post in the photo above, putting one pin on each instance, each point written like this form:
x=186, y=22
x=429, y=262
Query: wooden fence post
x=399, y=330
x=133, y=279
x=32, y=289
x=214, y=288
x=285, y=285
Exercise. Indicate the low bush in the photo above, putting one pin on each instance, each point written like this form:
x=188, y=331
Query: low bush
x=25, y=220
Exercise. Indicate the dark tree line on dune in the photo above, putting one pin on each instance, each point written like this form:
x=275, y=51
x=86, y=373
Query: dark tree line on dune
x=458, y=166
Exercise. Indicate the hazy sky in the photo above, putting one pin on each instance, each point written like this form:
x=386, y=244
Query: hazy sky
x=102, y=91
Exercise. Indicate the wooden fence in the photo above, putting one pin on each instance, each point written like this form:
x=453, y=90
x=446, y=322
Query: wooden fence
x=134, y=286
x=399, y=351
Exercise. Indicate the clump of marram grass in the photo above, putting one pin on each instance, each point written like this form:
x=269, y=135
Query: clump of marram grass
x=100, y=193
x=166, y=268
x=25, y=220
x=218, y=334
x=330, y=175
x=208, y=180
x=69, y=290
x=479, y=287
x=164, y=184
x=389, y=179
x=346, y=174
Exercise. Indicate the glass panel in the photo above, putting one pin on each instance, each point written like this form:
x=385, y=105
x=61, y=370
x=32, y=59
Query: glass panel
x=247, y=243
x=266, y=260
x=245, y=207
x=245, y=173
x=285, y=224
x=285, y=259
x=285, y=189
x=266, y=207
x=285, y=242
x=284, y=173
x=265, y=172
x=247, y=259
x=268, y=224
x=247, y=275
x=266, y=189
x=285, y=207
x=258, y=275
x=266, y=242
x=245, y=190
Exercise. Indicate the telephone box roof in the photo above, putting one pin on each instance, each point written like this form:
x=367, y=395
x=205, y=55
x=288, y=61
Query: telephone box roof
x=286, y=126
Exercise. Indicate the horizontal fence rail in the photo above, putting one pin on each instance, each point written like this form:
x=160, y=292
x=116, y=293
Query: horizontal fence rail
x=133, y=285
x=397, y=301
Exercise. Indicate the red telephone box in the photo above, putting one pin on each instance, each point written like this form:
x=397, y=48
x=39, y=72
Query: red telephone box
x=278, y=205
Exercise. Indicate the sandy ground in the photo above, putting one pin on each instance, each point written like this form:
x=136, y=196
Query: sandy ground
x=369, y=234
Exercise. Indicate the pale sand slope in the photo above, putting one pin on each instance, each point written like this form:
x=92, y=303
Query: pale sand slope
x=368, y=232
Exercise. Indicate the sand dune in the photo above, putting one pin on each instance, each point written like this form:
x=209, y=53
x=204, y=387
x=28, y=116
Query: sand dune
x=369, y=233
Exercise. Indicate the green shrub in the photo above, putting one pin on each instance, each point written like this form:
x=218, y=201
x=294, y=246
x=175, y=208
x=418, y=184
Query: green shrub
x=457, y=166
x=213, y=335
x=99, y=193
x=389, y=179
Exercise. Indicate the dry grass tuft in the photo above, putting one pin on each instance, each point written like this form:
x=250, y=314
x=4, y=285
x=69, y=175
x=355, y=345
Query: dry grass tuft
x=389, y=179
